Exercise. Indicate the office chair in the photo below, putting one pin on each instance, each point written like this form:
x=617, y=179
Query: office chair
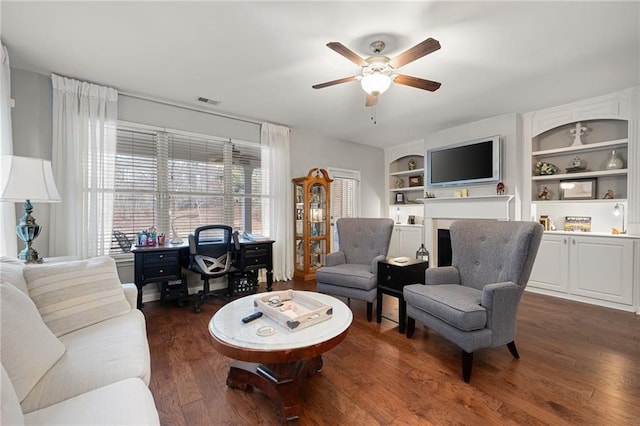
x=210, y=255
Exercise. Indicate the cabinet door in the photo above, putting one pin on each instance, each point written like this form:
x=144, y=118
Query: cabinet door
x=411, y=240
x=602, y=268
x=405, y=240
x=394, y=246
x=550, y=270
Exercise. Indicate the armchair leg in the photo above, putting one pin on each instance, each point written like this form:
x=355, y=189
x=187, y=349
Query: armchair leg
x=467, y=363
x=369, y=311
x=512, y=348
x=411, y=327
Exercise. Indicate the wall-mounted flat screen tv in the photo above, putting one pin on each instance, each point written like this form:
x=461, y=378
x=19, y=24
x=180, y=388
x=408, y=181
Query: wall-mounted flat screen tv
x=467, y=163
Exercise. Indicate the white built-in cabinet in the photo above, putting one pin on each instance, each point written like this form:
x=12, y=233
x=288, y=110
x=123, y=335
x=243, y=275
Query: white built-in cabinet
x=405, y=240
x=404, y=167
x=594, y=269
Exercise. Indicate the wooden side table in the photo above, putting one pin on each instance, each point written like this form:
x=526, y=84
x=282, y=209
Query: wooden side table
x=393, y=275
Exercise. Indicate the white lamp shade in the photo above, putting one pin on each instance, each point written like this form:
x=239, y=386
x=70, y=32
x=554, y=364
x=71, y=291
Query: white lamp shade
x=375, y=83
x=26, y=178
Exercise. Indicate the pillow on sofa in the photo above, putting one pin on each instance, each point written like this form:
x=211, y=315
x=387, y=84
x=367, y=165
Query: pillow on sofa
x=27, y=347
x=11, y=273
x=74, y=295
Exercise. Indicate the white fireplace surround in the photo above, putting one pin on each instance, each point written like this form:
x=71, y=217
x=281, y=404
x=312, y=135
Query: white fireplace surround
x=439, y=213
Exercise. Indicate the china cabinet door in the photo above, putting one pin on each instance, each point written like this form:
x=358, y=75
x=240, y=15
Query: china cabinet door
x=311, y=223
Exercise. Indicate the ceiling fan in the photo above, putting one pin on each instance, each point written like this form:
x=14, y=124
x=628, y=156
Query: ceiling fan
x=378, y=71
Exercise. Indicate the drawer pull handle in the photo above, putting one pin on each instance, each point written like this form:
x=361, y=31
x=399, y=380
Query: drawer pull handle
x=388, y=278
x=161, y=256
x=161, y=271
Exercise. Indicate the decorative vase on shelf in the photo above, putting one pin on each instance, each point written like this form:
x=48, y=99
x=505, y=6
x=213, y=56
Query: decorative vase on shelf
x=614, y=162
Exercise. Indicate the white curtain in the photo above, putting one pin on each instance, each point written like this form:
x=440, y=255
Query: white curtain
x=83, y=160
x=9, y=241
x=276, y=161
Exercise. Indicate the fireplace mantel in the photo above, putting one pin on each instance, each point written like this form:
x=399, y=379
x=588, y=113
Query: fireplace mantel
x=440, y=212
x=479, y=207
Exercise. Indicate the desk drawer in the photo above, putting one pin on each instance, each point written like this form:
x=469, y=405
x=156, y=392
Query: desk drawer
x=396, y=278
x=162, y=272
x=162, y=257
x=256, y=257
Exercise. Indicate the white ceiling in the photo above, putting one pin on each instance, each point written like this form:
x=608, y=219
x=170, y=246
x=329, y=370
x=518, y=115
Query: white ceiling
x=260, y=59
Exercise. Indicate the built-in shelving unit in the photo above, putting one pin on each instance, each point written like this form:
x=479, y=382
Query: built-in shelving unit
x=405, y=169
x=599, y=141
x=597, y=266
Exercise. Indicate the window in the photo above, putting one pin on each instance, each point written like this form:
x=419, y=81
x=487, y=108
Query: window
x=181, y=181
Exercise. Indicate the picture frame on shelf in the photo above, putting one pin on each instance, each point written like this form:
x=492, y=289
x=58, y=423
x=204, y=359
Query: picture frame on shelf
x=578, y=189
x=415, y=180
x=400, y=198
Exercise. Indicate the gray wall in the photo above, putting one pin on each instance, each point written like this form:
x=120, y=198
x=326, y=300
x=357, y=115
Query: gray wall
x=309, y=150
x=32, y=127
x=31, y=121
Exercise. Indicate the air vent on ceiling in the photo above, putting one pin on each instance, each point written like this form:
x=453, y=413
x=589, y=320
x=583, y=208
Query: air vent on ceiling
x=208, y=101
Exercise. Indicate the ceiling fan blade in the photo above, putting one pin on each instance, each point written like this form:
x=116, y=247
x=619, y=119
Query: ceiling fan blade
x=347, y=53
x=416, y=52
x=419, y=83
x=334, y=82
x=372, y=100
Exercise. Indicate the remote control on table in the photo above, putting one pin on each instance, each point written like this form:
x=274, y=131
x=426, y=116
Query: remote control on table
x=252, y=317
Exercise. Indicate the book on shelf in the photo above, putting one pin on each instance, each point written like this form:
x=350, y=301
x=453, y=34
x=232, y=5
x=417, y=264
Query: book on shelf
x=577, y=223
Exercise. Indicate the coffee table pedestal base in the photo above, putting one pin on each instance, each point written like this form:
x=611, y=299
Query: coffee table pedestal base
x=281, y=382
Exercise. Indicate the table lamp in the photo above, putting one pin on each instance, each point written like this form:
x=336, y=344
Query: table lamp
x=175, y=239
x=25, y=179
x=617, y=209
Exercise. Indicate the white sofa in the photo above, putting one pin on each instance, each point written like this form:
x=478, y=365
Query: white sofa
x=74, y=349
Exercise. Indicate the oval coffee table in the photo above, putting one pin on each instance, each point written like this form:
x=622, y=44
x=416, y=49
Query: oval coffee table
x=277, y=364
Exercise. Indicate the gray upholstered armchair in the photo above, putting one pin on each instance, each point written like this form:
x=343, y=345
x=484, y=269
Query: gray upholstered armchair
x=474, y=302
x=352, y=271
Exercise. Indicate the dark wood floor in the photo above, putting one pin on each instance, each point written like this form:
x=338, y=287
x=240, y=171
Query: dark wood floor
x=579, y=365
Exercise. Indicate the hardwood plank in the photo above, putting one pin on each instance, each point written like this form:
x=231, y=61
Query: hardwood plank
x=579, y=365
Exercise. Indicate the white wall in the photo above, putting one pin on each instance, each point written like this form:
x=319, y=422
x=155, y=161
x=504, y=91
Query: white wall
x=509, y=126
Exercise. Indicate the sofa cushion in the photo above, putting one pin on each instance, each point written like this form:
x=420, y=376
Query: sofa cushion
x=348, y=275
x=127, y=402
x=454, y=304
x=11, y=273
x=10, y=411
x=73, y=295
x=28, y=349
x=104, y=353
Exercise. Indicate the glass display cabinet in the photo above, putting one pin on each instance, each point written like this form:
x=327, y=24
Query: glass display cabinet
x=312, y=227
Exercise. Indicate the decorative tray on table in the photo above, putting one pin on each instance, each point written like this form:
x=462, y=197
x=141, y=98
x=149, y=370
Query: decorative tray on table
x=292, y=310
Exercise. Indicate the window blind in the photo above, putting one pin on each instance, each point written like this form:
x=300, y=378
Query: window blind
x=182, y=181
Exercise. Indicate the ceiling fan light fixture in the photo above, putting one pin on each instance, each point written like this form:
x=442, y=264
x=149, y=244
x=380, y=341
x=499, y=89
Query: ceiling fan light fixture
x=375, y=83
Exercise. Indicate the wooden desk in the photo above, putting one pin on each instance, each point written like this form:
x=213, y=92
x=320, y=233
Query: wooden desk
x=280, y=363
x=154, y=264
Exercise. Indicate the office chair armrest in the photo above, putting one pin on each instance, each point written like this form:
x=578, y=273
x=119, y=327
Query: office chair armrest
x=501, y=303
x=374, y=263
x=336, y=258
x=442, y=275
